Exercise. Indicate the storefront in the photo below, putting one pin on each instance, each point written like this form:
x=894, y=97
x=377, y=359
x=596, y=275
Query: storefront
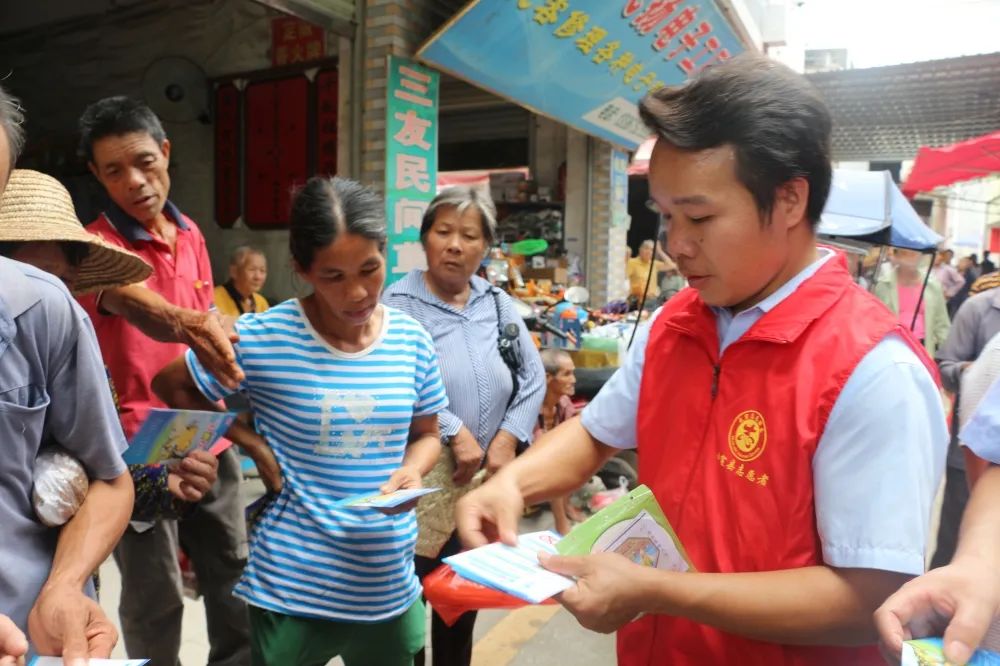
x=254, y=103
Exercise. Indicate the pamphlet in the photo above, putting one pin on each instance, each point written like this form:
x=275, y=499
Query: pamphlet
x=930, y=652
x=387, y=500
x=514, y=570
x=634, y=526
x=170, y=435
x=57, y=661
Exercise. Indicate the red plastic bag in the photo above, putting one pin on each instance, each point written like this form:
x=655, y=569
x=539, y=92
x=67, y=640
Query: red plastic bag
x=451, y=596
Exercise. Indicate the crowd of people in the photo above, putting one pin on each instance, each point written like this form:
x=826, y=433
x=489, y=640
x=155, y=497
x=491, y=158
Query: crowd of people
x=773, y=404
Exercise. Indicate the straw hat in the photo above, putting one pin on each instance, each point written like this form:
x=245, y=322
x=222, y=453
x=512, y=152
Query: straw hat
x=36, y=207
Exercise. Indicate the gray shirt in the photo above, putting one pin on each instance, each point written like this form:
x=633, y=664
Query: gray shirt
x=976, y=322
x=53, y=387
x=475, y=377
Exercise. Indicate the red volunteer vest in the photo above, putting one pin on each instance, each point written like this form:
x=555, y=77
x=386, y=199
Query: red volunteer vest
x=727, y=447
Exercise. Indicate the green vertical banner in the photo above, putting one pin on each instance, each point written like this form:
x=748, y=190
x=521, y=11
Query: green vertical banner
x=411, y=153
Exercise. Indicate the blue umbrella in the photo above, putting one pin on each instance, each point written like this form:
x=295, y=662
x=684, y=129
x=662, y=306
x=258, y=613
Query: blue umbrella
x=858, y=205
x=869, y=207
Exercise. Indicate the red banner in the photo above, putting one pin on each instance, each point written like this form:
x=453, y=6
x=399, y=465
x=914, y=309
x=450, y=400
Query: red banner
x=276, y=148
x=326, y=122
x=227, y=155
x=294, y=40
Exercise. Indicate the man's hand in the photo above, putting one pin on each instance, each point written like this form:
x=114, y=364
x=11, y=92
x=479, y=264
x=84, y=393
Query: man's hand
x=608, y=589
x=490, y=513
x=468, y=456
x=67, y=622
x=404, y=478
x=211, y=336
x=502, y=450
x=194, y=476
x=959, y=601
x=13, y=644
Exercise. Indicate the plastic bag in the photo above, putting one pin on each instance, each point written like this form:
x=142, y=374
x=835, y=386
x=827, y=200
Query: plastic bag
x=604, y=498
x=452, y=596
x=61, y=485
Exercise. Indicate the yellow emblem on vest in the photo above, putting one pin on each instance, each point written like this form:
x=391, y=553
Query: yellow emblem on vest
x=748, y=436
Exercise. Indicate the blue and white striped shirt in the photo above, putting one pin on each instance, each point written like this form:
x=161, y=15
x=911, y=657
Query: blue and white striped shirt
x=338, y=424
x=475, y=376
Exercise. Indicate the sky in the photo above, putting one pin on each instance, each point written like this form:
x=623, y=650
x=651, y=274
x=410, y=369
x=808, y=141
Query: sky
x=888, y=32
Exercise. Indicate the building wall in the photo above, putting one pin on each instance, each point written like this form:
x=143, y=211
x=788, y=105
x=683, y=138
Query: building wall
x=391, y=27
x=969, y=215
x=607, y=244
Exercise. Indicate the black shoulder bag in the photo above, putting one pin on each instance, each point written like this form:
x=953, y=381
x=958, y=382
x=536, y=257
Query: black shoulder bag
x=508, y=342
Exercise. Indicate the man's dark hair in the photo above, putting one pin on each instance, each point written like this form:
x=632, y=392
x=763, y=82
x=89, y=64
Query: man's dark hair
x=773, y=118
x=115, y=116
x=12, y=124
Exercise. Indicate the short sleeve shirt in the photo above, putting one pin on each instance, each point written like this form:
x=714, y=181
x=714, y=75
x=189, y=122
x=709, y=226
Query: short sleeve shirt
x=338, y=424
x=182, y=277
x=53, y=388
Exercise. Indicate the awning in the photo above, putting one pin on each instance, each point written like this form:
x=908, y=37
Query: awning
x=934, y=167
x=473, y=178
x=587, y=66
x=640, y=161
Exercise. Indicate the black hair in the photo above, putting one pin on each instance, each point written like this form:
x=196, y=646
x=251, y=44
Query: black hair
x=774, y=119
x=12, y=123
x=325, y=208
x=115, y=116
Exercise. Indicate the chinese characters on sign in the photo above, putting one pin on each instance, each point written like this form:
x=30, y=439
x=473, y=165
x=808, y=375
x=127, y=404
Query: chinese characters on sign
x=294, y=40
x=411, y=140
x=590, y=61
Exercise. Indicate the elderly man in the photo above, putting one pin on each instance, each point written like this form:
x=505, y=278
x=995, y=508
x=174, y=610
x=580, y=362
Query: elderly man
x=129, y=154
x=52, y=382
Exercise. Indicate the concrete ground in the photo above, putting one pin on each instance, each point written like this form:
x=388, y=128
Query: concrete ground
x=530, y=636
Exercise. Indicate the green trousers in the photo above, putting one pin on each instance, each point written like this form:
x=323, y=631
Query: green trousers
x=285, y=640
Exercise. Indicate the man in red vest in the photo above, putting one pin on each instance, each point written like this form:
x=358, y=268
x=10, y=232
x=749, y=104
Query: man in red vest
x=791, y=430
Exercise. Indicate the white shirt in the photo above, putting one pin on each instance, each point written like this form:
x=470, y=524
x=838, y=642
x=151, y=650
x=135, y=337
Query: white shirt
x=878, y=463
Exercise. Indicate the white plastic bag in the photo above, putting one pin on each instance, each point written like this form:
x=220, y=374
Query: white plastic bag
x=60, y=486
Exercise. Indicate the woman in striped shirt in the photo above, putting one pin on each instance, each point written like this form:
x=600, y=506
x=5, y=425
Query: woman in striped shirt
x=345, y=393
x=486, y=419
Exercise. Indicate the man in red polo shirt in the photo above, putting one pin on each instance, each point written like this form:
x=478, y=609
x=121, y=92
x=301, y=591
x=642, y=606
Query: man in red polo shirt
x=129, y=154
x=790, y=429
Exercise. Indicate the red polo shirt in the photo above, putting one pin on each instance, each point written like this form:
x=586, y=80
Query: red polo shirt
x=183, y=278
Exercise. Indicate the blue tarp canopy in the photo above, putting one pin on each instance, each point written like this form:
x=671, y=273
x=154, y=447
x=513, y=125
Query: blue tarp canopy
x=867, y=206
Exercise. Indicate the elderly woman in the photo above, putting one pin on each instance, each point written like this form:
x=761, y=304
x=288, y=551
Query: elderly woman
x=241, y=292
x=489, y=413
